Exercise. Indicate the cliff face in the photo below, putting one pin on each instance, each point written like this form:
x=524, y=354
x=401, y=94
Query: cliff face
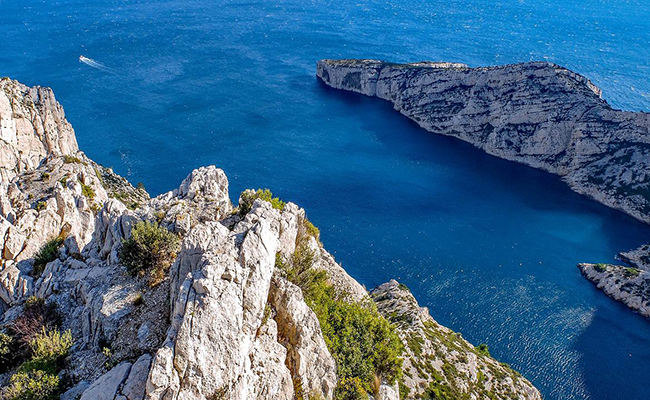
x=225, y=322
x=536, y=113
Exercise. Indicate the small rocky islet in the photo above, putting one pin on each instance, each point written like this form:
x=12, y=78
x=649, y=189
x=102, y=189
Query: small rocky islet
x=535, y=113
x=107, y=293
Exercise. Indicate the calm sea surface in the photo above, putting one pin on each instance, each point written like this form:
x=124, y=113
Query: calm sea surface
x=490, y=246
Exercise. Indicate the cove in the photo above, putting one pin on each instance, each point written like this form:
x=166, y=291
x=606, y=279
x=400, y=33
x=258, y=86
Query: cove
x=489, y=245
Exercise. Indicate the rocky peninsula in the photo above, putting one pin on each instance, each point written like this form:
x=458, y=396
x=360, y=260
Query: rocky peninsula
x=106, y=293
x=629, y=284
x=535, y=113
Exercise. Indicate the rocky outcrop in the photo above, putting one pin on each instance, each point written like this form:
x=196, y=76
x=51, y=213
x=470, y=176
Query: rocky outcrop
x=224, y=324
x=32, y=127
x=438, y=361
x=628, y=284
x=535, y=113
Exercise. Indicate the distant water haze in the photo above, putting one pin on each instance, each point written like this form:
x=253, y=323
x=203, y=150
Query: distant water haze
x=490, y=246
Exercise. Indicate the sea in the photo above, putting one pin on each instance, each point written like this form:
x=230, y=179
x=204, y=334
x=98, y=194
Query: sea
x=489, y=246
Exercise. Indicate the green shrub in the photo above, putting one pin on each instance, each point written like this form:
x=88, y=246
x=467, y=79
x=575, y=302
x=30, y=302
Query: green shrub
x=151, y=248
x=35, y=385
x=600, y=267
x=45, y=176
x=350, y=389
x=71, y=160
x=37, y=315
x=138, y=300
x=364, y=344
x=87, y=191
x=631, y=272
x=41, y=205
x=47, y=253
x=49, y=348
x=483, y=349
x=311, y=229
x=7, y=352
x=248, y=197
x=402, y=286
x=63, y=181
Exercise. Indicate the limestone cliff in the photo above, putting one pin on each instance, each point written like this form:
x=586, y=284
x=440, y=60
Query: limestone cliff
x=225, y=322
x=535, y=113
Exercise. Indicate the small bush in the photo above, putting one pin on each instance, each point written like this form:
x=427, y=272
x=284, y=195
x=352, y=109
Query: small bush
x=151, y=248
x=483, y=349
x=47, y=253
x=632, y=272
x=35, y=385
x=600, y=267
x=36, y=316
x=45, y=176
x=71, y=160
x=350, y=389
x=41, y=205
x=138, y=300
x=87, y=191
x=312, y=230
x=7, y=352
x=49, y=348
x=248, y=197
x=64, y=181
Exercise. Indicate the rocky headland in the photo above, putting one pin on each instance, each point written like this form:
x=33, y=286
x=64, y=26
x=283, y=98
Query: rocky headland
x=106, y=293
x=629, y=284
x=535, y=113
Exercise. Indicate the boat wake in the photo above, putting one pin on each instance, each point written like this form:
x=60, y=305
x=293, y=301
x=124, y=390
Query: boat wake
x=92, y=63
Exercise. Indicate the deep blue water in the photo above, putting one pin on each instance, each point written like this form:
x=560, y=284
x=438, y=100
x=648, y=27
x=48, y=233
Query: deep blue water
x=490, y=246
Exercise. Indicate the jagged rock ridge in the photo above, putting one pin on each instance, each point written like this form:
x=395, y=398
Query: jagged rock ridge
x=535, y=113
x=225, y=324
x=629, y=284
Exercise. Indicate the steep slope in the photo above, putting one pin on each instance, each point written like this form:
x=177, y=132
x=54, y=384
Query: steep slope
x=225, y=320
x=535, y=113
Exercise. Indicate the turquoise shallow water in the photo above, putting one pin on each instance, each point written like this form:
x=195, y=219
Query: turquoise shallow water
x=490, y=246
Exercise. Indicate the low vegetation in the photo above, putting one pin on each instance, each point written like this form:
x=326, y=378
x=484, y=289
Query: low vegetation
x=248, y=197
x=35, y=350
x=71, y=160
x=87, y=191
x=47, y=253
x=150, y=249
x=600, y=267
x=40, y=206
x=365, y=346
x=483, y=349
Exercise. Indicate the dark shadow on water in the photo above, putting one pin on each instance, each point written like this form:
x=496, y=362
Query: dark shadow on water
x=536, y=189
